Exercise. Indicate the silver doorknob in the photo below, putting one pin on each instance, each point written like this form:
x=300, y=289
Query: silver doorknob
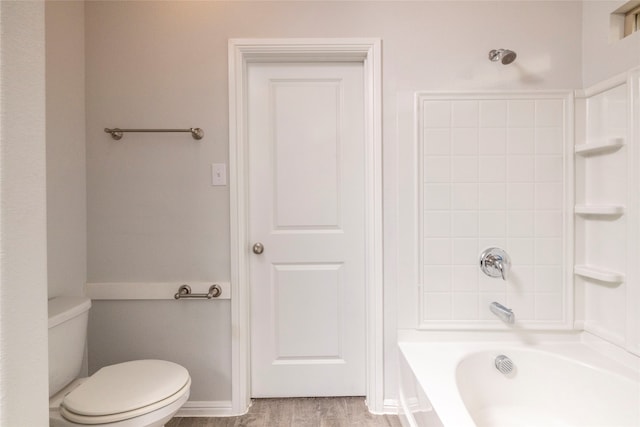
x=258, y=248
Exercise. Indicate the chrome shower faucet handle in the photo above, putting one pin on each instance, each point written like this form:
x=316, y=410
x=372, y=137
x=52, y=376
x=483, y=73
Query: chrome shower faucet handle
x=494, y=262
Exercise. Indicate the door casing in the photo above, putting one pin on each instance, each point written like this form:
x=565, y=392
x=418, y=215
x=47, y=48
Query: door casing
x=242, y=52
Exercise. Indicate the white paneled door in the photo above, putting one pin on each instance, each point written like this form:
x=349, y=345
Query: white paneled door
x=306, y=136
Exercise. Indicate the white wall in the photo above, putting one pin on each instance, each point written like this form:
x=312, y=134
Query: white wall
x=603, y=58
x=603, y=242
x=23, y=256
x=605, y=309
x=493, y=175
x=66, y=172
x=152, y=214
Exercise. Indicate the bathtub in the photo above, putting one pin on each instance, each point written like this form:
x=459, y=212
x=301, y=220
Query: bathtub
x=456, y=384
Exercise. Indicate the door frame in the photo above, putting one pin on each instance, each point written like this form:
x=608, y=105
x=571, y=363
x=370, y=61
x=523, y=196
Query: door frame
x=242, y=52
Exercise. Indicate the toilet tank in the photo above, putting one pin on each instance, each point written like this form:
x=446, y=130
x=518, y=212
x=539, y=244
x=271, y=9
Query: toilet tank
x=67, y=338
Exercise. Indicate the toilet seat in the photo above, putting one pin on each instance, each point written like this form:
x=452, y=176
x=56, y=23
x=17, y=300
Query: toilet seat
x=126, y=390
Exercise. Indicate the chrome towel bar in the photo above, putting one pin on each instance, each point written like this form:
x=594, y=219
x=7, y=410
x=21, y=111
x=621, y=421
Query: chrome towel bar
x=184, y=292
x=117, y=133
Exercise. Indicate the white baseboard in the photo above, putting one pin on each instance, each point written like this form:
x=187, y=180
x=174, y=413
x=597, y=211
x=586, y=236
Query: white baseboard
x=391, y=406
x=214, y=408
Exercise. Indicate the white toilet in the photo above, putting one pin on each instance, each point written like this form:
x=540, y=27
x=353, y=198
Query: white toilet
x=131, y=394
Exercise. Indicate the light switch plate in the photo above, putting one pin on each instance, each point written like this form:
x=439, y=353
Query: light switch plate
x=218, y=174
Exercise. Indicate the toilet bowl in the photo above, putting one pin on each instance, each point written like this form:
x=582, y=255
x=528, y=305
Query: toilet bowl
x=138, y=393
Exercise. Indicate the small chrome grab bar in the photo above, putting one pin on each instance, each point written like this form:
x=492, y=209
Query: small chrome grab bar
x=184, y=292
x=117, y=134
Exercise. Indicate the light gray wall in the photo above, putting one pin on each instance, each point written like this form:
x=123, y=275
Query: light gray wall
x=152, y=214
x=602, y=57
x=66, y=162
x=23, y=246
x=195, y=334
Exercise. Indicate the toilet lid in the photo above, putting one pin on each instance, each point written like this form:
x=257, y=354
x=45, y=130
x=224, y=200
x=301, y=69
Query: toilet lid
x=126, y=387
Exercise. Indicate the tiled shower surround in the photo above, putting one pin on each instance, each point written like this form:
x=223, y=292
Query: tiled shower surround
x=493, y=173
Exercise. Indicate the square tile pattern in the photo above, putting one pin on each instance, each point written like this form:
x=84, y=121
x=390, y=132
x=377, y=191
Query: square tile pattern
x=492, y=175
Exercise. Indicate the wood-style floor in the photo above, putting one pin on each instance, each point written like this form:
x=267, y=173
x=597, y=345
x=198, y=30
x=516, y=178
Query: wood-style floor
x=298, y=412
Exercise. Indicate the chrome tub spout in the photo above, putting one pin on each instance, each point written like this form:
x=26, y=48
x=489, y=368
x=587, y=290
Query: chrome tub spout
x=505, y=314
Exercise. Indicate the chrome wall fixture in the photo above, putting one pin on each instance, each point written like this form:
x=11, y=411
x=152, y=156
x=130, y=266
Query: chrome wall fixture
x=505, y=56
x=494, y=262
x=505, y=314
x=184, y=292
x=117, y=133
x=504, y=364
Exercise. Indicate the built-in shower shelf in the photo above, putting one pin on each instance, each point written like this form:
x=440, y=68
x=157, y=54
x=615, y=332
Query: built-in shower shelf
x=600, y=210
x=604, y=147
x=598, y=273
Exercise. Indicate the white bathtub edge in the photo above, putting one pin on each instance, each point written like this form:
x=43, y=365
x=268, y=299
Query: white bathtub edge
x=612, y=351
x=433, y=359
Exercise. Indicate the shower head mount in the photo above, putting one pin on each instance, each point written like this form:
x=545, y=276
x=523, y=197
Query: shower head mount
x=505, y=56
